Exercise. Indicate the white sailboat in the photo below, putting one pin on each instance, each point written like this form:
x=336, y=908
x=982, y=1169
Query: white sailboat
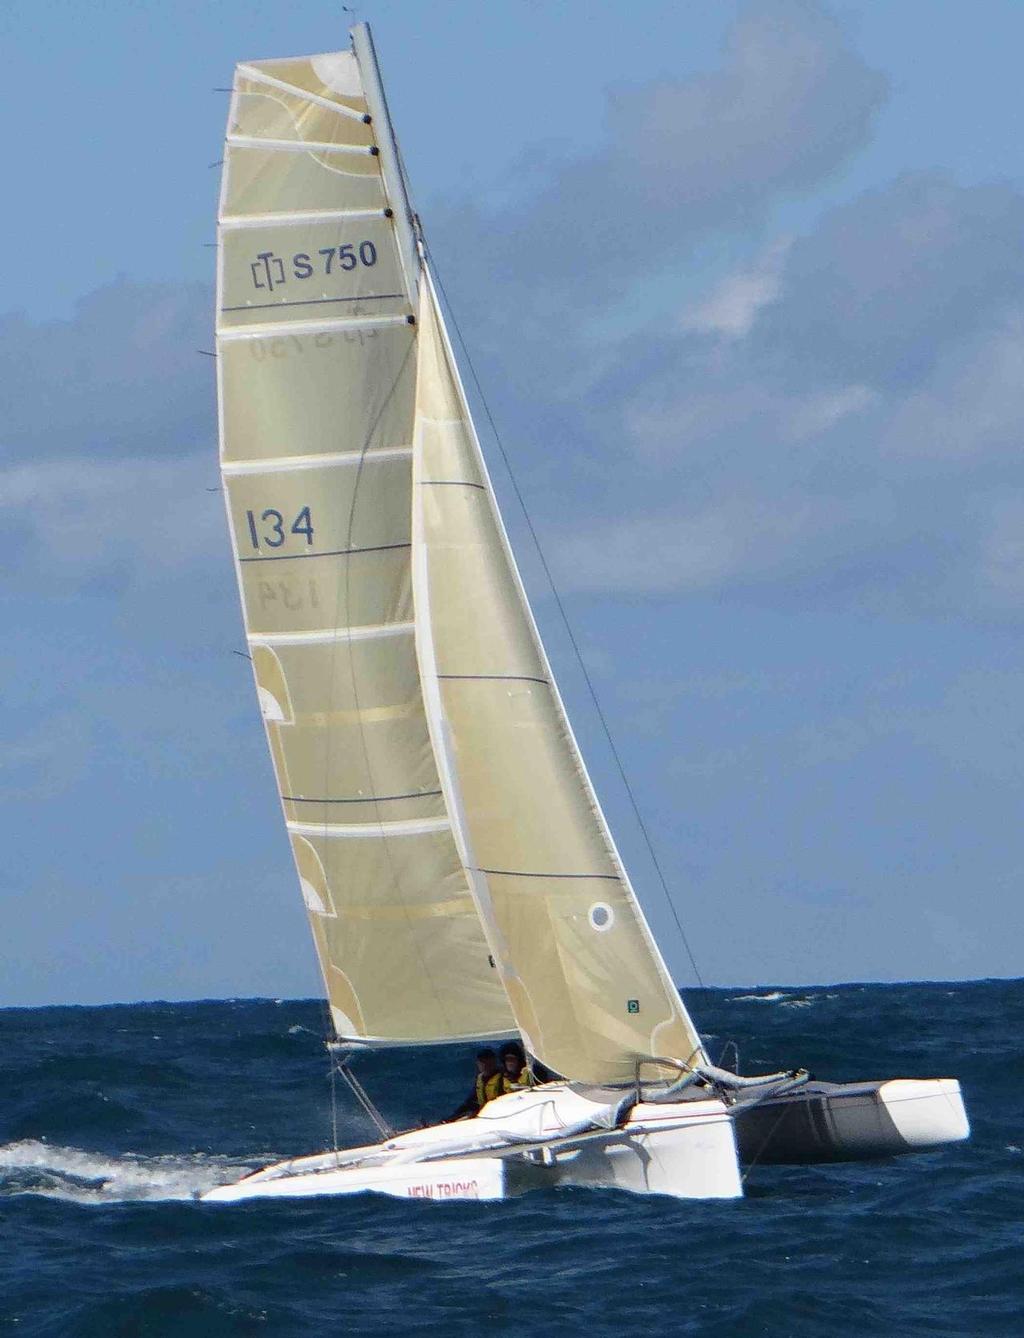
x=460, y=878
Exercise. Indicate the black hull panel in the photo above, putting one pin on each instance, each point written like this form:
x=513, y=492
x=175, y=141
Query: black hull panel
x=831, y=1122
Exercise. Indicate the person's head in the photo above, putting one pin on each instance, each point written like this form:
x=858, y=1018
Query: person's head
x=486, y=1062
x=512, y=1059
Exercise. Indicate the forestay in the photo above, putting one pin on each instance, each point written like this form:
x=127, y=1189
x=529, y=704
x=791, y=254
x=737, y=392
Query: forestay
x=317, y=375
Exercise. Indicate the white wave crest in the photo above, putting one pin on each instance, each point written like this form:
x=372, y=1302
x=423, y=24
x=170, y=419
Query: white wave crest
x=773, y=996
x=55, y=1172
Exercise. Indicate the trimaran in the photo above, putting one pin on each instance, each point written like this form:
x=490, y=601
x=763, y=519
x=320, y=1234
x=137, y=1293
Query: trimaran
x=460, y=877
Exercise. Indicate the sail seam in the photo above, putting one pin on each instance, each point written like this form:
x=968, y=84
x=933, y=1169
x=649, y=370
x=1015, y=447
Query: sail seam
x=313, y=301
x=450, y=483
x=277, y=464
x=519, y=873
x=334, y=552
x=502, y=678
x=249, y=72
x=363, y=798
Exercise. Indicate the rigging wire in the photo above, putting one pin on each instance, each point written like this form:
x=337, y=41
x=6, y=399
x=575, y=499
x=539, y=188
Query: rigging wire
x=565, y=621
x=362, y=1096
x=748, y=1169
x=334, y=1094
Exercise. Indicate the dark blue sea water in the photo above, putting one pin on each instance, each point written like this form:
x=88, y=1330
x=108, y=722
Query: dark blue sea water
x=111, y=1118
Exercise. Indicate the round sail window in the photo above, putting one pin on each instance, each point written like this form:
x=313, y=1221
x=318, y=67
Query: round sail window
x=602, y=916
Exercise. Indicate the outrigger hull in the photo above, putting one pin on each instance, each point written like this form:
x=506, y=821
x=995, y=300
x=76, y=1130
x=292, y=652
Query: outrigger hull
x=830, y=1122
x=547, y=1137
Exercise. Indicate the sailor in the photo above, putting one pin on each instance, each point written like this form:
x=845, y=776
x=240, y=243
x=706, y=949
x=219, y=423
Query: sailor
x=488, y=1085
x=515, y=1074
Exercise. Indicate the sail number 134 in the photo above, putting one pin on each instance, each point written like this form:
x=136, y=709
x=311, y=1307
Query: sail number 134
x=270, y=528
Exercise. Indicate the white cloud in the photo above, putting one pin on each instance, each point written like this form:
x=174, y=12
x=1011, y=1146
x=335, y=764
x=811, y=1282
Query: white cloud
x=732, y=307
x=846, y=429
x=820, y=413
x=122, y=377
x=789, y=103
x=972, y=404
x=141, y=518
x=1001, y=552
x=729, y=542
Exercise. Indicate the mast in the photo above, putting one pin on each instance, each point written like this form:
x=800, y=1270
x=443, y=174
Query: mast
x=390, y=159
x=417, y=277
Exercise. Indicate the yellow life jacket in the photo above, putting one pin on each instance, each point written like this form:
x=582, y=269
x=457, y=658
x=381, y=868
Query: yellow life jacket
x=515, y=1084
x=488, y=1088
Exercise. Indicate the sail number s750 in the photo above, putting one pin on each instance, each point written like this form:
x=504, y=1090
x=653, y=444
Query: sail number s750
x=269, y=270
x=269, y=527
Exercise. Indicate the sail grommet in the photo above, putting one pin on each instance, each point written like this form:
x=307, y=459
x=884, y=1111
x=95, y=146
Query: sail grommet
x=601, y=916
x=389, y=213
x=410, y=320
x=367, y=119
x=374, y=151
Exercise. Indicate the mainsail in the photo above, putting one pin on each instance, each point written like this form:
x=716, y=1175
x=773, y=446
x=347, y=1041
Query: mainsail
x=458, y=871
x=317, y=373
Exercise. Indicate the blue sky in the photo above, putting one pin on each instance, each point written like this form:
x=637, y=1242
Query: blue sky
x=745, y=287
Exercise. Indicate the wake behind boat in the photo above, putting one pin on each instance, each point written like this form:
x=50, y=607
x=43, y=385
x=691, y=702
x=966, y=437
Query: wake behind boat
x=459, y=874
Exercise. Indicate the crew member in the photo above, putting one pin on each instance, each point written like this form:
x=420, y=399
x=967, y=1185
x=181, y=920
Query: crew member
x=489, y=1084
x=515, y=1074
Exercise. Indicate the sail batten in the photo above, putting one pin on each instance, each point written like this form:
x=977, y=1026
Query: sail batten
x=311, y=302
x=340, y=325
x=299, y=216
x=351, y=831
x=296, y=146
x=326, y=553
x=321, y=635
x=284, y=463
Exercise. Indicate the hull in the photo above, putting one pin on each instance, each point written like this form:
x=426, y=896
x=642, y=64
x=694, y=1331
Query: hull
x=544, y=1138
x=830, y=1122
x=479, y=1178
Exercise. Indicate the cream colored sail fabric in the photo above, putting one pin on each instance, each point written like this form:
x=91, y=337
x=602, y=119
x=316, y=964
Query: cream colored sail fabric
x=588, y=988
x=316, y=369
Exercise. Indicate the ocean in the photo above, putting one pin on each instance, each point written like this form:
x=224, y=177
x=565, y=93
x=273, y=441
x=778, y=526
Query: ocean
x=111, y=1119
